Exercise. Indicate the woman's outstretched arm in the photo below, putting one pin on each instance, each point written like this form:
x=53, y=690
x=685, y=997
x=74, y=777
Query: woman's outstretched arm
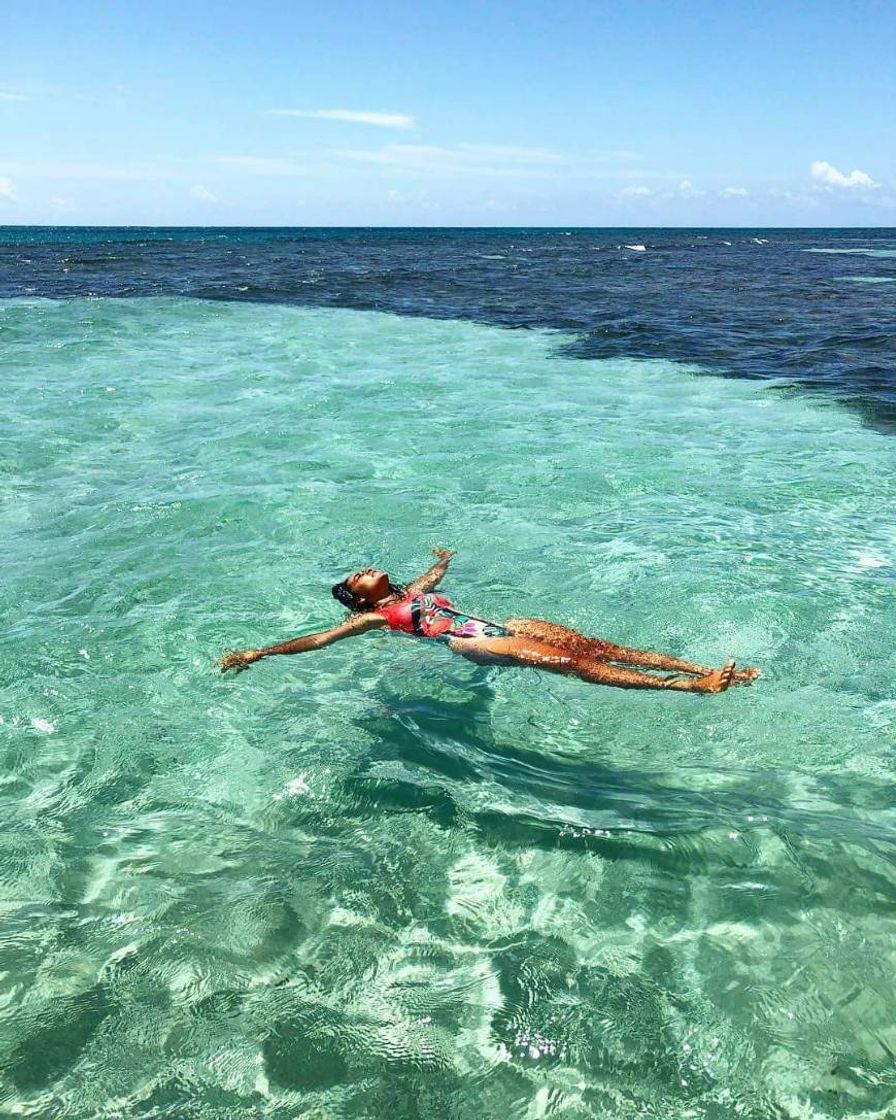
x=240, y=659
x=433, y=577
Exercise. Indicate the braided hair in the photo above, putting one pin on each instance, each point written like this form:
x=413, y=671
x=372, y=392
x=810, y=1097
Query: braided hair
x=343, y=594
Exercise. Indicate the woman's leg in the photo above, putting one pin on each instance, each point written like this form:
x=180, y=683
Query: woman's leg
x=599, y=650
x=534, y=654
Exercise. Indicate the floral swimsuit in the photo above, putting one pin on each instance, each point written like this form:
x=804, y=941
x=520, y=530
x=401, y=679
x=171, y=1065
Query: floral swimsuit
x=434, y=616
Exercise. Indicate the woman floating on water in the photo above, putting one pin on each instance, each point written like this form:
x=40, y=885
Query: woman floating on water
x=375, y=602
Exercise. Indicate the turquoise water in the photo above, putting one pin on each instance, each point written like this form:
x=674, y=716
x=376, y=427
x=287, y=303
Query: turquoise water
x=378, y=880
x=857, y=252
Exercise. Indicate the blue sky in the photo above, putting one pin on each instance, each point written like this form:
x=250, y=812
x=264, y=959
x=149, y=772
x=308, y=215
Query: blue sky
x=461, y=113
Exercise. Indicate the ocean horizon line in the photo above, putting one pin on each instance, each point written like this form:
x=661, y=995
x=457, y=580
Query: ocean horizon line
x=446, y=228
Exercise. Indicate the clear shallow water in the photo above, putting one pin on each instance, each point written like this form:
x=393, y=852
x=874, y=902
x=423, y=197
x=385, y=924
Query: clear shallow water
x=379, y=880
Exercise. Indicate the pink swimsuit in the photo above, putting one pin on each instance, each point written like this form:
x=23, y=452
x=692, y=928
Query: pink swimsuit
x=434, y=616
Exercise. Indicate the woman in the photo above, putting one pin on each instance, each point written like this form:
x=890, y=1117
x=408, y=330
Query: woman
x=375, y=602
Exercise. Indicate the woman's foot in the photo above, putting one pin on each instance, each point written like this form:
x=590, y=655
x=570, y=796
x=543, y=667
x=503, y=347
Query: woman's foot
x=717, y=681
x=740, y=677
x=747, y=676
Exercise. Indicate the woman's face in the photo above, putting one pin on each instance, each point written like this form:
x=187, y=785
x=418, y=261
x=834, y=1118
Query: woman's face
x=369, y=585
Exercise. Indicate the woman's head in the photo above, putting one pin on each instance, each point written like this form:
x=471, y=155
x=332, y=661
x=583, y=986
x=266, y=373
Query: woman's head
x=361, y=591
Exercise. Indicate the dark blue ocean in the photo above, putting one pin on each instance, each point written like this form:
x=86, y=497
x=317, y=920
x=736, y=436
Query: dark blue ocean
x=813, y=306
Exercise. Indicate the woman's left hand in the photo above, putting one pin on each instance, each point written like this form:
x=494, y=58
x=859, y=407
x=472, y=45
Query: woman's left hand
x=239, y=659
x=443, y=554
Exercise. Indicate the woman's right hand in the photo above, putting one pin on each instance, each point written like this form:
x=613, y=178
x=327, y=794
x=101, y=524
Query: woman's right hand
x=444, y=554
x=239, y=659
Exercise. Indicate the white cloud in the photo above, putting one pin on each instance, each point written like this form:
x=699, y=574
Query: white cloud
x=733, y=192
x=685, y=185
x=272, y=165
x=829, y=176
x=202, y=194
x=9, y=95
x=7, y=191
x=125, y=172
x=510, y=154
x=631, y=192
x=431, y=154
x=354, y=116
x=463, y=159
x=623, y=154
x=455, y=161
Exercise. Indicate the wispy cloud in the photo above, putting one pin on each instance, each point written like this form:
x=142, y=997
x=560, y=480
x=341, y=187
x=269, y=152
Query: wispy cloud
x=287, y=166
x=512, y=154
x=76, y=169
x=828, y=176
x=353, y=116
x=202, y=194
x=11, y=95
x=7, y=191
x=462, y=159
x=684, y=189
x=667, y=192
